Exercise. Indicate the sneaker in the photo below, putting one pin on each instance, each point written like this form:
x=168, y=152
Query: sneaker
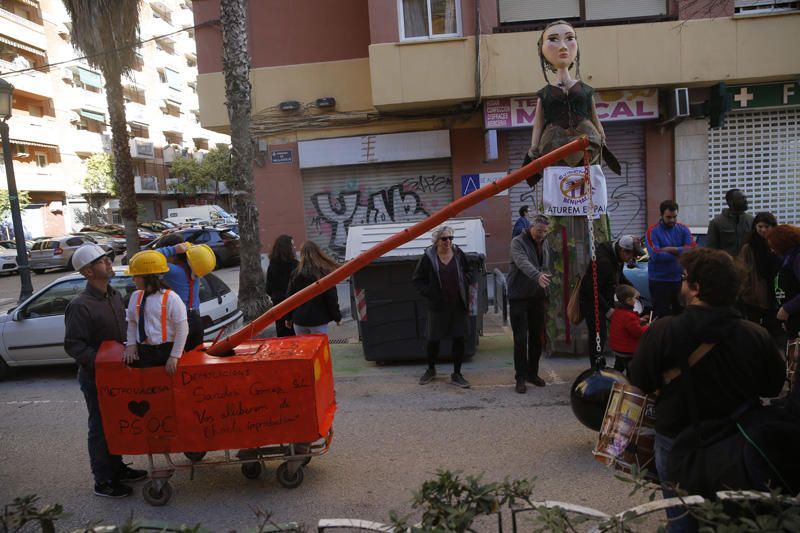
x=521, y=388
x=457, y=379
x=539, y=382
x=112, y=489
x=428, y=376
x=127, y=473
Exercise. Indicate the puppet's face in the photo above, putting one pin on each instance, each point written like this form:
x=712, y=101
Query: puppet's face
x=559, y=46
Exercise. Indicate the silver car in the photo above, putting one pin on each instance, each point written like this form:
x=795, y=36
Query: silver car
x=116, y=244
x=56, y=252
x=8, y=261
x=32, y=333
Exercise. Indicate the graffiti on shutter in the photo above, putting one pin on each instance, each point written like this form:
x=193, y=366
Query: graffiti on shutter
x=335, y=198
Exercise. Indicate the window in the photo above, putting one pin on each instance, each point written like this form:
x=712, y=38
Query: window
x=54, y=300
x=206, y=292
x=429, y=19
x=758, y=7
x=162, y=76
x=139, y=130
x=41, y=159
x=219, y=287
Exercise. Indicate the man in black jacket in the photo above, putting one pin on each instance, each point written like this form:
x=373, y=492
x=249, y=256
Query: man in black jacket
x=742, y=365
x=611, y=259
x=528, y=279
x=96, y=315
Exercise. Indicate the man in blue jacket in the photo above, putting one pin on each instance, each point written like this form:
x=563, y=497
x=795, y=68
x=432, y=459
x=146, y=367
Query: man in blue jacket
x=522, y=224
x=666, y=241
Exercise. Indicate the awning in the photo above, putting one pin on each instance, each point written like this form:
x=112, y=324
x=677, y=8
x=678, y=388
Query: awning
x=173, y=78
x=33, y=143
x=138, y=123
x=90, y=78
x=16, y=44
x=91, y=115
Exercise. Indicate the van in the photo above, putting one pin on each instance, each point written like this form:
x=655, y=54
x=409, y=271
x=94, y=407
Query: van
x=211, y=213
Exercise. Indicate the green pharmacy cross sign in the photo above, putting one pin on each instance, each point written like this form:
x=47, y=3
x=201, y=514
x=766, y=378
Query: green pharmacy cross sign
x=759, y=96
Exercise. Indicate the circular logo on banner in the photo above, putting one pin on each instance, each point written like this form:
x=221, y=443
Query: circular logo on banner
x=573, y=186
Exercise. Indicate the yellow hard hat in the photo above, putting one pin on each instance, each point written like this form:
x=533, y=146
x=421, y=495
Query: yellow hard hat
x=147, y=262
x=201, y=259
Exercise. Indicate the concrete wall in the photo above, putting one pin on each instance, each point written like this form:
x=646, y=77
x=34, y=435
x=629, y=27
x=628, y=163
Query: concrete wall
x=691, y=171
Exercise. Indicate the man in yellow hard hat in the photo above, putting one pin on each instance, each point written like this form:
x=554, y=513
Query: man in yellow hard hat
x=185, y=269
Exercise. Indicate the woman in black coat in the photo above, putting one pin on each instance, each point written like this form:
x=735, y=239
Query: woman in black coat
x=282, y=262
x=443, y=277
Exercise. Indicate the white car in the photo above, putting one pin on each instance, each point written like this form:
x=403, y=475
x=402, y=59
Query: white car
x=8, y=261
x=32, y=333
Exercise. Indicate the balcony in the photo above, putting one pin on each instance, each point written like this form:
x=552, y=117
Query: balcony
x=172, y=124
x=22, y=30
x=86, y=142
x=190, y=102
x=30, y=177
x=154, y=27
x=165, y=59
x=32, y=82
x=183, y=18
x=145, y=184
x=35, y=129
x=82, y=99
x=165, y=92
x=136, y=113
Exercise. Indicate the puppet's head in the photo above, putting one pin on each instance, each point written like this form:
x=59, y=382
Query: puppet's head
x=558, y=47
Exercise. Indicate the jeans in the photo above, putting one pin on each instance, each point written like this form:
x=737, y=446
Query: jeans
x=664, y=295
x=679, y=520
x=104, y=465
x=527, y=324
x=306, y=330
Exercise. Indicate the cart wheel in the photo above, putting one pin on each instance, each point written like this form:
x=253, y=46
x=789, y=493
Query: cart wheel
x=251, y=470
x=288, y=480
x=195, y=457
x=306, y=461
x=156, y=496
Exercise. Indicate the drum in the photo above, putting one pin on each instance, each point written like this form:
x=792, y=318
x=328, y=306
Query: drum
x=792, y=347
x=627, y=435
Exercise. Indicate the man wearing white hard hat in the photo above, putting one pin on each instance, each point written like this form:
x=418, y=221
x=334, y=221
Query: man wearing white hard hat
x=96, y=315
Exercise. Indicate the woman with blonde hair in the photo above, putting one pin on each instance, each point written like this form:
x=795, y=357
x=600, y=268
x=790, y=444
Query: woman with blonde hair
x=313, y=316
x=443, y=277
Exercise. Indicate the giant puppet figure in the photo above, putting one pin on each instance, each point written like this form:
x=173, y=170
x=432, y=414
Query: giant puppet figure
x=565, y=107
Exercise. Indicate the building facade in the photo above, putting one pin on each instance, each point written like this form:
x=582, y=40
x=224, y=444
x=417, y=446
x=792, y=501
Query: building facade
x=375, y=110
x=60, y=117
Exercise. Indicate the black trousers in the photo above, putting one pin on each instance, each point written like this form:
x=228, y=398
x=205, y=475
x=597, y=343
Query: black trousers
x=151, y=355
x=664, y=295
x=587, y=310
x=527, y=325
x=458, y=353
x=195, y=337
x=281, y=329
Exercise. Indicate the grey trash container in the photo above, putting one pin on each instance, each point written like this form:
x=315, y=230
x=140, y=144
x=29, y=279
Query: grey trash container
x=391, y=315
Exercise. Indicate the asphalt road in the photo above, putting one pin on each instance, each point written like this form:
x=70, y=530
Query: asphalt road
x=390, y=435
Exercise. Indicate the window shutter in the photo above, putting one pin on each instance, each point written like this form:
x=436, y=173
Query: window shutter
x=624, y=9
x=524, y=10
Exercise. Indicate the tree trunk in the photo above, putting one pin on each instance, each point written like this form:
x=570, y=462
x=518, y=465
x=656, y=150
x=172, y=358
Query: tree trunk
x=253, y=299
x=123, y=165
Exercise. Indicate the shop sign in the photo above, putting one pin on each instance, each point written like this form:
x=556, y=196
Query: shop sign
x=769, y=95
x=612, y=106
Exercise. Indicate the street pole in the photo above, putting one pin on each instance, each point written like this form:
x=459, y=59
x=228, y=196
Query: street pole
x=26, y=288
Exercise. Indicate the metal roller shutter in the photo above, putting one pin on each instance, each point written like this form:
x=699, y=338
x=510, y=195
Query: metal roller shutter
x=334, y=198
x=627, y=200
x=758, y=153
x=624, y=9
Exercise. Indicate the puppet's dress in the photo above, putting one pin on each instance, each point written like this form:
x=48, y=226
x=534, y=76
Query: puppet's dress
x=567, y=116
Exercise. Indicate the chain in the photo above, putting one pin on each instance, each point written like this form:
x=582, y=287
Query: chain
x=587, y=178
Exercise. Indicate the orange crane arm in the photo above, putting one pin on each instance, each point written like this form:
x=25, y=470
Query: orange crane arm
x=226, y=346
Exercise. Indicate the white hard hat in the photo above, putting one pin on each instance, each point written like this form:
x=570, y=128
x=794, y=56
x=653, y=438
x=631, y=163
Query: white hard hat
x=85, y=255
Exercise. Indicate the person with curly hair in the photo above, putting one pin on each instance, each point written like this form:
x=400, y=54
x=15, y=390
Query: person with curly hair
x=784, y=240
x=758, y=291
x=282, y=262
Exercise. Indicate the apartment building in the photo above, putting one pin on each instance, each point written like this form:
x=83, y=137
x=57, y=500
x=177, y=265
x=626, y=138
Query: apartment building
x=376, y=110
x=60, y=115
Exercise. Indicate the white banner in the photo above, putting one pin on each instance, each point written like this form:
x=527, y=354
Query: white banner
x=566, y=194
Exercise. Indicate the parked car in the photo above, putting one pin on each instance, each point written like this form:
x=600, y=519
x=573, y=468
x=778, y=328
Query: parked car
x=118, y=231
x=117, y=244
x=223, y=242
x=158, y=226
x=57, y=252
x=12, y=245
x=32, y=333
x=8, y=260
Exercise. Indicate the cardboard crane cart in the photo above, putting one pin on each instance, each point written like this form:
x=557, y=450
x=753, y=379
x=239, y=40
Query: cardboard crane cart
x=271, y=399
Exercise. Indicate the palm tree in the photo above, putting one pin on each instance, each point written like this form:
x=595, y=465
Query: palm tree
x=236, y=68
x=106, y=31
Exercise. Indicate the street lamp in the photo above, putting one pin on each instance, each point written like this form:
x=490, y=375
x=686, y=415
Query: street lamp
x=26, y=289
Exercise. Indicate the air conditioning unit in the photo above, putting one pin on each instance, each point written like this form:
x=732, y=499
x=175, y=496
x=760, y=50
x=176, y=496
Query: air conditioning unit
x=66, y=74
x=679, y=103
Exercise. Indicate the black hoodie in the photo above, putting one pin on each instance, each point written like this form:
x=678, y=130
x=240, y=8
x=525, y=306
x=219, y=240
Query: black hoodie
x=743, y=365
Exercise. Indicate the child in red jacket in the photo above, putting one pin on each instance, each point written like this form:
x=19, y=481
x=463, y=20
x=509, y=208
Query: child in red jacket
x=626, y=327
